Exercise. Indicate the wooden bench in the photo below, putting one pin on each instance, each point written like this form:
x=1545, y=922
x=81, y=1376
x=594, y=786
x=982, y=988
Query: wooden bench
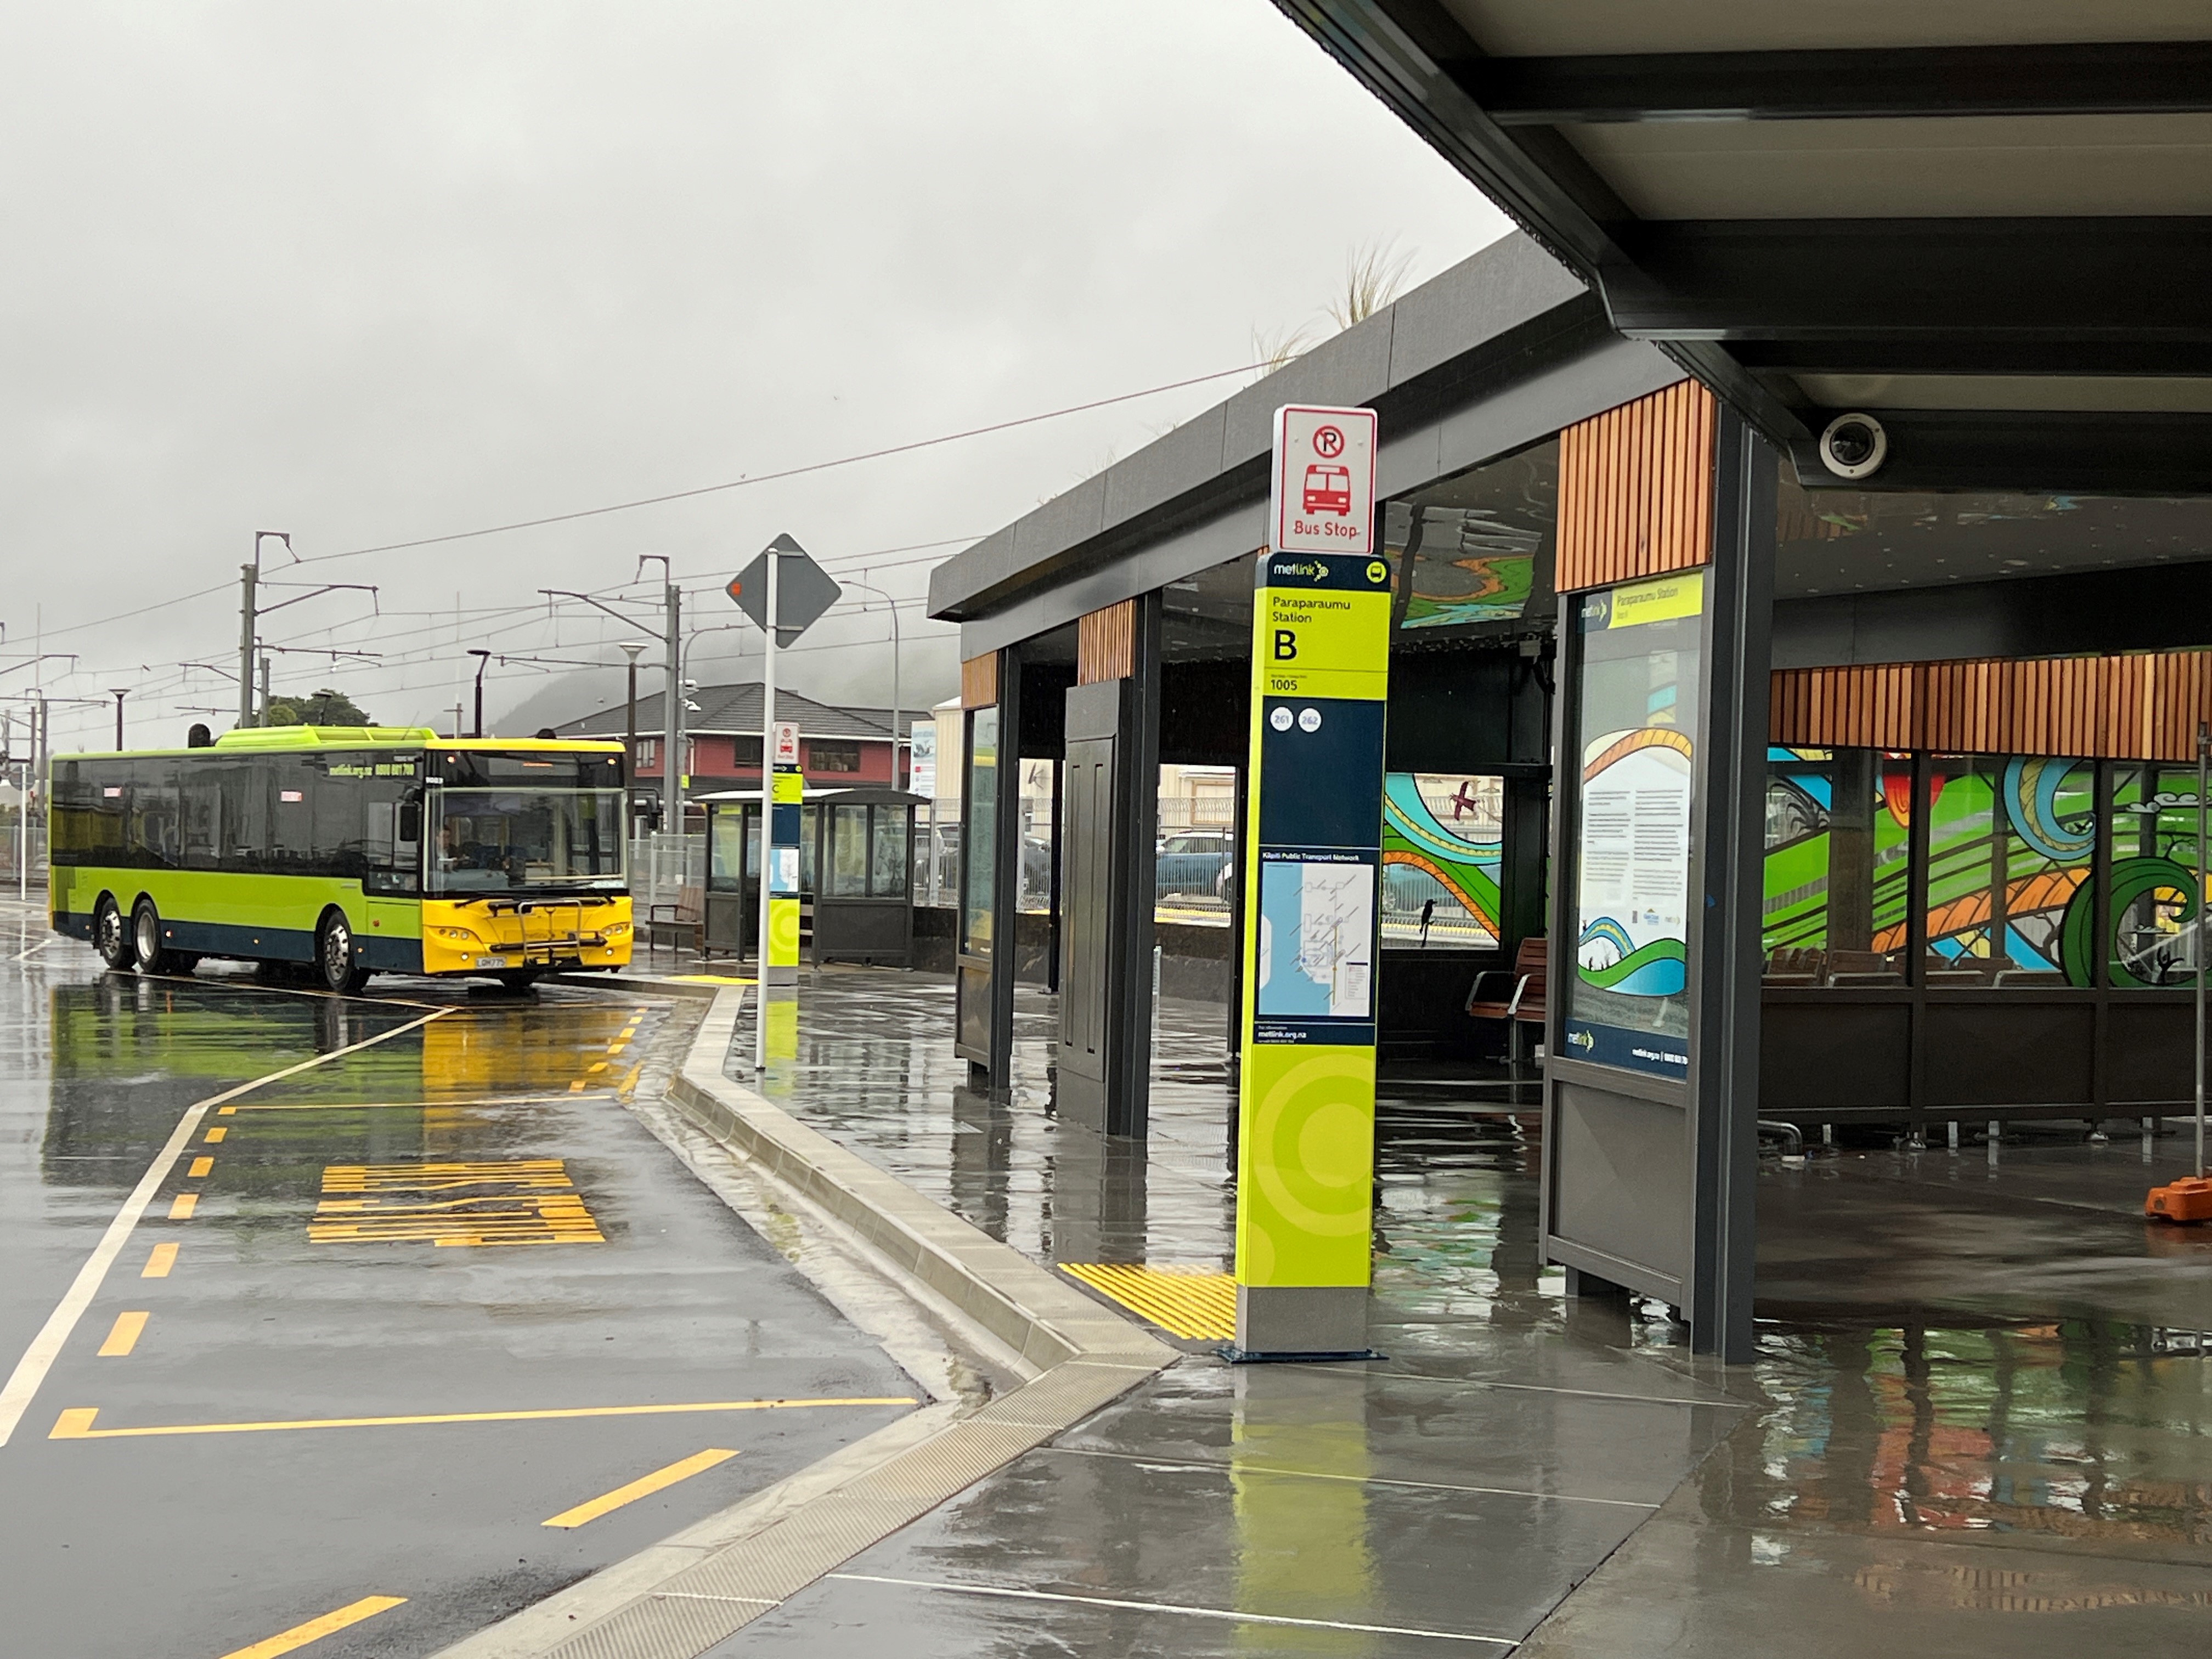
x=678, y=924
x=1515, y=996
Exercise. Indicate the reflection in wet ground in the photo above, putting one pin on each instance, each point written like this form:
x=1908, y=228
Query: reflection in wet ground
x=1981, y=1403
x=387, y=1315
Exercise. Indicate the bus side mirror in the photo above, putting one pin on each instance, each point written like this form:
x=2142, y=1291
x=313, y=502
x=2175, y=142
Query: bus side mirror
x=410, y=821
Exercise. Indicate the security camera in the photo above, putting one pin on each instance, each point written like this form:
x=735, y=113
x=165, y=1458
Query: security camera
x=1854, y=447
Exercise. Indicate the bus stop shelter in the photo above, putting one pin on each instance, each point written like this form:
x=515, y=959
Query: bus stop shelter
x=855, y=874
x=1883, y=323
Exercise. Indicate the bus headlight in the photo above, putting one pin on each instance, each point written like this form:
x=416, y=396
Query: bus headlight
x=459, y=935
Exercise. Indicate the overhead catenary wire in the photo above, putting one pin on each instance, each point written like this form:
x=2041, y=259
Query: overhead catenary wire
x=573, y=515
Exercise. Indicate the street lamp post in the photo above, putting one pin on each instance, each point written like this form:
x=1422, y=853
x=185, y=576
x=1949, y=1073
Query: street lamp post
x=483, y=661
x=118, y=692
x=249, y=614
x=633, y=651
x=890, y=605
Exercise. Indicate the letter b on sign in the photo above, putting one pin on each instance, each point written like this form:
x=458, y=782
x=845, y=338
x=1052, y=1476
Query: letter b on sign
x=1286, y=644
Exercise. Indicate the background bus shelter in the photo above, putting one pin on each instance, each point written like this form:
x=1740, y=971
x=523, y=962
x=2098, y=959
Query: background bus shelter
x=855, y=874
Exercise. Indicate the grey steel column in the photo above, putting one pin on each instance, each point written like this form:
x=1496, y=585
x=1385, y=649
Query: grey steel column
x=1006, y=889
x=1728, y=830
x=1130, y=1003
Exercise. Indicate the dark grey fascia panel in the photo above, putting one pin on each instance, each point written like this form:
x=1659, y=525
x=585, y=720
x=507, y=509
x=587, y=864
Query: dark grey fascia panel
x=1611, y=372
x=1602, y=372
x=1184, y=553
x=1452, y=327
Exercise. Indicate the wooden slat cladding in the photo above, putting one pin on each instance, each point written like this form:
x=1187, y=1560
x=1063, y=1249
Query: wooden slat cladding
x=1106, y=644
x=1636, y=489
x=1879, y=707
x=2134, y=708
x=979, y=681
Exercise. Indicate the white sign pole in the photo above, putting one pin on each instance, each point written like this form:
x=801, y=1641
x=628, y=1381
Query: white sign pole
x=766, y=810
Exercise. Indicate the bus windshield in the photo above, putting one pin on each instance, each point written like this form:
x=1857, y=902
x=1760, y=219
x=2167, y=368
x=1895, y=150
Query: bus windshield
x=502, y=840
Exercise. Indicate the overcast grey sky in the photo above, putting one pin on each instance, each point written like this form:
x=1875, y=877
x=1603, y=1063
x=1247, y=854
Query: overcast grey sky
x=374, y=271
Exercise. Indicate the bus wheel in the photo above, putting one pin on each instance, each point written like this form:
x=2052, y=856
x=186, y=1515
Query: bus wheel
x=146, y=939
x=520, y=980
x=334, y=956
x=111, y=937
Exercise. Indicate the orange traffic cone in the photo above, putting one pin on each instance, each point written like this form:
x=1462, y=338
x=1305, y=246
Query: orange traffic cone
x=2189, y=1199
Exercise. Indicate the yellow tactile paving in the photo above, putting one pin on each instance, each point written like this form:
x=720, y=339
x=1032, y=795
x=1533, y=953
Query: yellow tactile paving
x=1197, y=1303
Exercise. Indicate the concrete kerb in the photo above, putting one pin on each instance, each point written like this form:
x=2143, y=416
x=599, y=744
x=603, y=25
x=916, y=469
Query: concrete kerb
x=694, y=1589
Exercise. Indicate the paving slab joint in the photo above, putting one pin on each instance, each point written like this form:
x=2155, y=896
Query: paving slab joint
x=691, y=1591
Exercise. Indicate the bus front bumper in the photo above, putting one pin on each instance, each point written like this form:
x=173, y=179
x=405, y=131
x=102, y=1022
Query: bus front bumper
x=477, y=938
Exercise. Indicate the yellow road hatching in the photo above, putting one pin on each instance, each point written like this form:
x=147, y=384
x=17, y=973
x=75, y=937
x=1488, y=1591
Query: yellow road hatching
x=1196, y=1303
x=525, y=1201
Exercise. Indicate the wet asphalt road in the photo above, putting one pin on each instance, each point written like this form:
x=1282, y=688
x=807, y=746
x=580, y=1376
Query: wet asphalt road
x=459, y=1220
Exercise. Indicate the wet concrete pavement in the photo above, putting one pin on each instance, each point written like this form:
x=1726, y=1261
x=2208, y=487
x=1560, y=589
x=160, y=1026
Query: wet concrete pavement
x=1978, y=1424
x=459, y=1222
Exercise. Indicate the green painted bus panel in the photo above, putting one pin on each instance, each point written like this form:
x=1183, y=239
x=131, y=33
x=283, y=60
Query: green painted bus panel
x=293, y=903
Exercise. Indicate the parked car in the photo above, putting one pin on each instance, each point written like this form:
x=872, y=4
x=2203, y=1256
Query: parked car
x=1195, y=864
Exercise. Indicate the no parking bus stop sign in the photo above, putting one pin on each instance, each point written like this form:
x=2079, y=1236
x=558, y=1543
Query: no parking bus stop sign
x=1323, y=498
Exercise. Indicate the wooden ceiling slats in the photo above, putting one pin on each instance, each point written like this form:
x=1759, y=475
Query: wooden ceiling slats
x=2143, y=707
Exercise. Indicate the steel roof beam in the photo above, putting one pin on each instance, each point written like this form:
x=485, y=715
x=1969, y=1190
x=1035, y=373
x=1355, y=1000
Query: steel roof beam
x=2081, y=285
x=2135, y=78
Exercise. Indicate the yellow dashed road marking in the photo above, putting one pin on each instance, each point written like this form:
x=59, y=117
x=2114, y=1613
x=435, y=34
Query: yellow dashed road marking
x=315, y=1630
x=200, y=1166
x=158, y=1264
x=182, y=1206
x=215, y=1135
x=76, y=1422
x=644, y=1486
x=123, y=1336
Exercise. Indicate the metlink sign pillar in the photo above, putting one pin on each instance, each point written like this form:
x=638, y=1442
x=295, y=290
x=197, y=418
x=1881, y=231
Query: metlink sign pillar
x=786, y=786
x=783, y=590
x=1313, y=852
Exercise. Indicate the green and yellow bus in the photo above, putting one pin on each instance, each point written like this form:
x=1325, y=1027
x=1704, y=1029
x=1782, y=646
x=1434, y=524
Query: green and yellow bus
x=356, y=850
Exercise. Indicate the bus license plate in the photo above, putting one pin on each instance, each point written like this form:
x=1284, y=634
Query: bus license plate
x=491, y=962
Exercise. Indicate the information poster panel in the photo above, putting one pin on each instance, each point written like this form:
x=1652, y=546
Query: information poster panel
x=787, y=786
x=1306, y=1080
x=1628, y=1002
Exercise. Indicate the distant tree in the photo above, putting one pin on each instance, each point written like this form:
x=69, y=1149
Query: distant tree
x=325, y=708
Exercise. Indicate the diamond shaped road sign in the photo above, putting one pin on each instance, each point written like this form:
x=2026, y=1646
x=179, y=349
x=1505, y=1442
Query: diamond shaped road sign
x=803, y=590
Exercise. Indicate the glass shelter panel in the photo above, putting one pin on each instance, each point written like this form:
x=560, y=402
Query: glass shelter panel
x=849, y=852
x=1194, y=854
x=980, y=860
x=1837, y=864
x=1036, y=837
x=887, y=877
x=2157, y=865
x=2011, y=855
